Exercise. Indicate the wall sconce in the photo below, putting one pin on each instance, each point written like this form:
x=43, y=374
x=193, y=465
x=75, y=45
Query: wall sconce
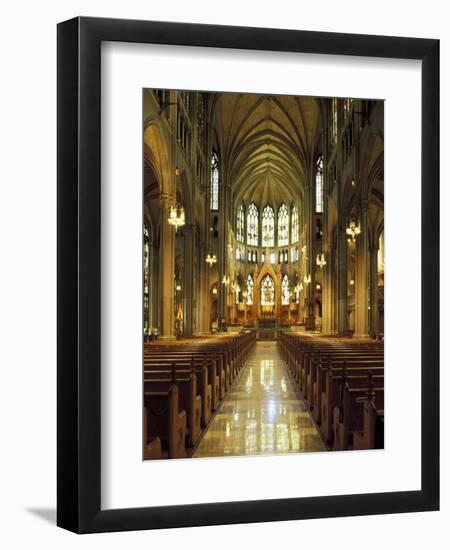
x=320, y=260
x=211, y=259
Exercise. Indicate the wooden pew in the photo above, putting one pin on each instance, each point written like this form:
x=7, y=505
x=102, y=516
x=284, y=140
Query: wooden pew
x=152, y=448
x=198, y=362
x=184, y=368
x=340, y=362
x=166, y=421
x=332, y=394
x=180, y=368
x=189, y=400
x=348, y=417
x=373, y=423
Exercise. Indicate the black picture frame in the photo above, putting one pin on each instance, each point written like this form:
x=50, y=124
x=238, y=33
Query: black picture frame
x=79, y=281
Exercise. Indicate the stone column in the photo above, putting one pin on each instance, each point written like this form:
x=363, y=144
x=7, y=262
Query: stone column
x=342, y=282
x=373, y=314
x=166, y=271
x=204, y=305
x=188, y=306
x=224, y=209
x=327, y=321
x=362, y=277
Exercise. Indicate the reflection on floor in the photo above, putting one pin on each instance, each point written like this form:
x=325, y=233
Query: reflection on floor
x=262, y=414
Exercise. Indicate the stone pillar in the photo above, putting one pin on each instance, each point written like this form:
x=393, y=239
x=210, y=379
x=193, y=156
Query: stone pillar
x=373, y=314
x=204, y=305
x=188, y=306
x=342, y=283
x=166, y=272
x=327, y=319
x=224, y=210
x=362, y=277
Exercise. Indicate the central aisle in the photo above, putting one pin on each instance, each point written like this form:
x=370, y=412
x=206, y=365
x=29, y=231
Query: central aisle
x=262, y=413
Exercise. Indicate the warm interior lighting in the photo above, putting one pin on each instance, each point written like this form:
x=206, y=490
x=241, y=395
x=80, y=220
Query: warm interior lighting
x=320, y=260
x=211, y=259
x=352, y=281
x=353, y=230
x=307, y=279
x=176, y=216
x=225, y=280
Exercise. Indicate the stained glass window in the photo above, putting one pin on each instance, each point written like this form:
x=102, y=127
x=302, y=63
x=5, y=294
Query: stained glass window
x=147, y=282
x=283, y=225
x=214, y=181
x=267, y=291
x=240, y=224
x=268, y=226
x=249, y=290
x=285, y=291
x=333, y=122
x=295, y=227
x=252, y=225
x=319, y=185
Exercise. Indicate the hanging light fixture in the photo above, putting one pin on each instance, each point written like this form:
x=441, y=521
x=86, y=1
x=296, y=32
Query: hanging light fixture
x=225, y=280
x=353, y=229
x=320, y=260
x=307, y=279
x=211, y=259
x=176, y=216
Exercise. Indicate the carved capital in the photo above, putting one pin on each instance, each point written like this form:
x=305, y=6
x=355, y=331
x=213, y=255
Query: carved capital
x=167, y=200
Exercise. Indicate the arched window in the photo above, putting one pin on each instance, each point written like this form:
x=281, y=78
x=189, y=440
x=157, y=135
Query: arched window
x=147, y=279
x=249, y=290
x=285, y=291
x=283, y=225
x=267, y=291
x=214, y=181
x=240, y=224
x=295, y=227
x=252, y=225
x=333, y=122
x=268, y=226
x=319, y=185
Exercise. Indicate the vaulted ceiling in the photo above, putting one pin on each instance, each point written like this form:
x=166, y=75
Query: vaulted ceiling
x=267, y=145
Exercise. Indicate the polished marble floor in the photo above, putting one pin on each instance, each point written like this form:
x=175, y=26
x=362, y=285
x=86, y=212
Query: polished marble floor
x=262, y=413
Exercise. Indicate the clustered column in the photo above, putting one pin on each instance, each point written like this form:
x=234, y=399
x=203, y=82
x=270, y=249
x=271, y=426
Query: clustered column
x=166, y=270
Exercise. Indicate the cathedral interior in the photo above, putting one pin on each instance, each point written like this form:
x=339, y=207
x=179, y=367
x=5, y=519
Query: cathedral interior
x=263, y=241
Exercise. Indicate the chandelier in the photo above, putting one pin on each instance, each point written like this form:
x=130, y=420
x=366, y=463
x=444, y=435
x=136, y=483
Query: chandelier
x=211, y=259
x=176, y=216
x=307, y=279
x=226, y=280
x=320, y=260
x=353, y=230
x=235, y=287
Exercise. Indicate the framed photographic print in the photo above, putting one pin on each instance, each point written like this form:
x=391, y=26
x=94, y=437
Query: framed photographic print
x=248, y=317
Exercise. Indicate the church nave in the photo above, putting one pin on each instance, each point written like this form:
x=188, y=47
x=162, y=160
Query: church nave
x=263, y=274
x=262, y=413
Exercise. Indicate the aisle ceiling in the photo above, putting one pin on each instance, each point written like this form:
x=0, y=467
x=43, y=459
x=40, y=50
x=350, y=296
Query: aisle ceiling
x=267, y=145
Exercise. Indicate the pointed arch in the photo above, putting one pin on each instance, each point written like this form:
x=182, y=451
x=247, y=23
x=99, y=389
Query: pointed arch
x=283, y=225
x=240, y=224
x=252, y=225
x=267, y=291
x=295, y=225
x=268, y=226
